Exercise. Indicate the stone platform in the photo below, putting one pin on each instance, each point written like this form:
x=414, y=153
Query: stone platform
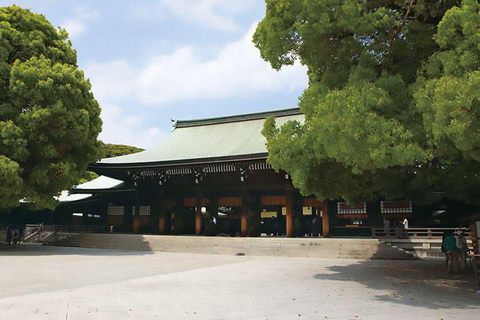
x=332, y=248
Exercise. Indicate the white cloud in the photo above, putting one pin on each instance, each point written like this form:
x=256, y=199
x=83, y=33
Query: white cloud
x=130, y=97
x=78, y=25
x=112, y=81
x=215, y=14
x=75, y=27
x=236, y=71
x=124, y=128
x=201, y=11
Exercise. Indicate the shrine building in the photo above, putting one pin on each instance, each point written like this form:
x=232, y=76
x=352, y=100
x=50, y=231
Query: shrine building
x=214, y=170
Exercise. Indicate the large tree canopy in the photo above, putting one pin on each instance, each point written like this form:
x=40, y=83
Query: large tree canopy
x=49, y=119
x=393, y=104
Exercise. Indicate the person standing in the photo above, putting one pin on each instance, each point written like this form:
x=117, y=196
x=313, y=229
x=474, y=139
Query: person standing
x=315, y=229
x=386, y=227
x=8, y=240
x=462, y=249
x=399, y=230
x=16, y=237
x=449, y=247
x=405, y=228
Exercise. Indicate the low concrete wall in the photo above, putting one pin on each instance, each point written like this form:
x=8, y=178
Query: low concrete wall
x=291, y=247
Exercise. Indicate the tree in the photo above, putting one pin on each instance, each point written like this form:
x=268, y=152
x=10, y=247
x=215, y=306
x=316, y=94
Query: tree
x=392, y=108
x=109, y=150
x=49, y=119
x=115, y=150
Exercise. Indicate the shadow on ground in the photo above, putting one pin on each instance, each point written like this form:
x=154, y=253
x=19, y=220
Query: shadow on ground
x=423, y=283
x=45, y=250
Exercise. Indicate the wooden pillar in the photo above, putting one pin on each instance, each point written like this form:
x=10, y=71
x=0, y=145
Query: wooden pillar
x=289, y=217
x=198, y=214
x=298, y=223
x=104, y=212
x=278, y=222
x=256, y=215
x=153, y=223
x=244, y=218
x=136, y=218
x=127, y=214
x=325, y=219
x=161, y=214
x=178, y=212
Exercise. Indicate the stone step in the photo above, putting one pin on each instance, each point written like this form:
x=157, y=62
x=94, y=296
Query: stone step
x=294, y=247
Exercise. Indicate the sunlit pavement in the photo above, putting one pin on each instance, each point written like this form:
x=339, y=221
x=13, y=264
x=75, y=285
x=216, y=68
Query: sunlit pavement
x=39, y=282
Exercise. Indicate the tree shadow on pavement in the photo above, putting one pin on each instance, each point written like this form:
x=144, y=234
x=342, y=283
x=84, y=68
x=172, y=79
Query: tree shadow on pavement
x=423, y=283
x=46, y=250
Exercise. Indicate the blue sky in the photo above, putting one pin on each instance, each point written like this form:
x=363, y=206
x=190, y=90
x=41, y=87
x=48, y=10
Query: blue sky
x=152, y=61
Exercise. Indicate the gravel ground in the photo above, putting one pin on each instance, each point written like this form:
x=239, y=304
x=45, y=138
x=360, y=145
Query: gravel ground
x=41, y=282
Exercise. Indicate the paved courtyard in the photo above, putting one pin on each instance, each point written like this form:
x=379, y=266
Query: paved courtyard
x=39, y=282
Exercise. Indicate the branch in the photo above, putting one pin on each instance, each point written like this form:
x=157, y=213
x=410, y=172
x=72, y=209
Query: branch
x=399, y=29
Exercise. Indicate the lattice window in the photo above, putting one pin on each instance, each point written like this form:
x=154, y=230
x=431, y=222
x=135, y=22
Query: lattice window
x=144, y=210
x=396, y=207
x=343, y=208
x=115, y=210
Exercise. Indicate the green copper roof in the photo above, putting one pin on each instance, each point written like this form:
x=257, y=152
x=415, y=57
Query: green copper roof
x=226, y=137
x=101, y=182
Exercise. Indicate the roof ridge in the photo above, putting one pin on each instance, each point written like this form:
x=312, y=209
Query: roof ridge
x=235, y=118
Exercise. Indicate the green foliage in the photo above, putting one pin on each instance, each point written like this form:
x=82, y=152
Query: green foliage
x=392, y=107
x=49, y=119
x=88, y=176
x=108, y=151
x=116, y=150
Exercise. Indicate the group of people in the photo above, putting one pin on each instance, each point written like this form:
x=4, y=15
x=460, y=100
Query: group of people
x=302, y=226
x=455, y=248
x=400, y=227
x=13, y=236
